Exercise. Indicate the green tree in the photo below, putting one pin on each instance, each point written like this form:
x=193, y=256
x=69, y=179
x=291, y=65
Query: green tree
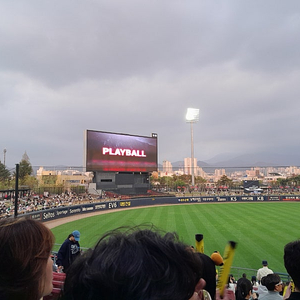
x=25, y=167
x=282, y=181
x=179, y=183
x=200, y=181
x=167, y=182
x=294, y=180
x=4, y=173
x=30, y=181
x=224, y=181
x=186, y=178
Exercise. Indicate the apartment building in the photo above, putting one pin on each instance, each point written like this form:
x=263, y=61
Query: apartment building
x=167, y=167
x=66, y=178
x=188, y=166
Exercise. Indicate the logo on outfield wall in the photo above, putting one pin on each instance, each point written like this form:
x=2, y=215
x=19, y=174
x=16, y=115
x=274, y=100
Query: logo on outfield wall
x=183, y=199
x=196, y=199
x=100, y=206
x=247, y=198
x=274, y=198
x=112, y=205
x=75, y=210
x=62, y=212
x=36, y=216
x=207, y=199
x=87, y=208
x=221, y=199
x=125, y=204
x=48, y=216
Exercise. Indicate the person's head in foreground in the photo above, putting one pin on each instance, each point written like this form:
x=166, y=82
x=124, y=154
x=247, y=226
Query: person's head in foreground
x=272, y=282
x=243, y=289
x=137, y=264
x=291, y=259
x=26, y=265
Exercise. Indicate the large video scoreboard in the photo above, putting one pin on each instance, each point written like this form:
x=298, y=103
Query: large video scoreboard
x=115, y=152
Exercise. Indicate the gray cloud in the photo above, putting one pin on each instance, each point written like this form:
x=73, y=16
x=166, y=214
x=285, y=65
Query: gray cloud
x=134, y=67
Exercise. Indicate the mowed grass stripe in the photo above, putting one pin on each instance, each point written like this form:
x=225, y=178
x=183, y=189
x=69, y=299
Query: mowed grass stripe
x=182, y=222
x=260, y=229
x=268, y=232
x=286, y=217
x=215, y=229
x=240, y=221
x=243, y=228
x=193, y=224
x=92, y=227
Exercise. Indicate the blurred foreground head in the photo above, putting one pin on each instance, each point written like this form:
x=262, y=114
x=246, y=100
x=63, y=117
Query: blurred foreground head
x=292, y=261
x=26, y=266
x=134, y=264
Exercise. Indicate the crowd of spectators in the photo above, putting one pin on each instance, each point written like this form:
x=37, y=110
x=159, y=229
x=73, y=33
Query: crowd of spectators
x=33, y=202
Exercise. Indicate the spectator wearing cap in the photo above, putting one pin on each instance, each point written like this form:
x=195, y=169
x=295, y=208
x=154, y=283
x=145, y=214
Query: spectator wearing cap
x=69, y=251
x=264, y=271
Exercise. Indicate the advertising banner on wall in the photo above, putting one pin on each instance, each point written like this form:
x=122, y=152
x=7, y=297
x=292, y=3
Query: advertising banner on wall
x=51, y=214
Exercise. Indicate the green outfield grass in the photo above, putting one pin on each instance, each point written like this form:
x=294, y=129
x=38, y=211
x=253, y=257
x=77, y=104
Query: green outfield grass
x=260, y=229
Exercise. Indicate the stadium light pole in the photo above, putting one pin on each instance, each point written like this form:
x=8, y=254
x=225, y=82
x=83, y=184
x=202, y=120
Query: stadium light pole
x=4, y=155
x=192, y=116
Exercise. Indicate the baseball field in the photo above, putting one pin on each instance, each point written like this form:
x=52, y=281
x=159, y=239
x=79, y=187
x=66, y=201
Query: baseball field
x=260, y=229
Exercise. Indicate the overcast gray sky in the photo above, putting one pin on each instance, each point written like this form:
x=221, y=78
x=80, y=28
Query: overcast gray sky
x=135, y=67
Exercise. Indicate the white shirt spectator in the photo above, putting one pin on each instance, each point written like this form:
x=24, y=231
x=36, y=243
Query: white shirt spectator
x=262, y=272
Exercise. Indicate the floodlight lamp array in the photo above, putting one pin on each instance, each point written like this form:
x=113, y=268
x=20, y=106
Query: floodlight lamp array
x=192, y=115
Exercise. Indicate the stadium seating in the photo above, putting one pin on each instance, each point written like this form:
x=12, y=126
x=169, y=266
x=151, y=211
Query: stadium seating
x=230, y=294
x=58, y=282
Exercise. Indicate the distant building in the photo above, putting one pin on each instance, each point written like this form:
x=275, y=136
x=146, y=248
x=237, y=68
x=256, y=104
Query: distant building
x=167, y=167
x=188, y=166
x=292, y=170
x=219, y=173
x=67, y=178
x=201, y=173
x=253, y=174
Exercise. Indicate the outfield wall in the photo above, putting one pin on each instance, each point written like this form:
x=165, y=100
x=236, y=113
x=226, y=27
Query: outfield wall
x=67, y=211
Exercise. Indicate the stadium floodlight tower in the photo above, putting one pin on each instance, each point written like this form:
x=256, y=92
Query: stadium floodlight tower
x=192, y=116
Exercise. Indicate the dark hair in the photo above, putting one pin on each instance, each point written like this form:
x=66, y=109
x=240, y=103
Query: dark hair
x=270, y=281
x=292, y=261
x=136, y=264
x=243, y=287
x=25, y=246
